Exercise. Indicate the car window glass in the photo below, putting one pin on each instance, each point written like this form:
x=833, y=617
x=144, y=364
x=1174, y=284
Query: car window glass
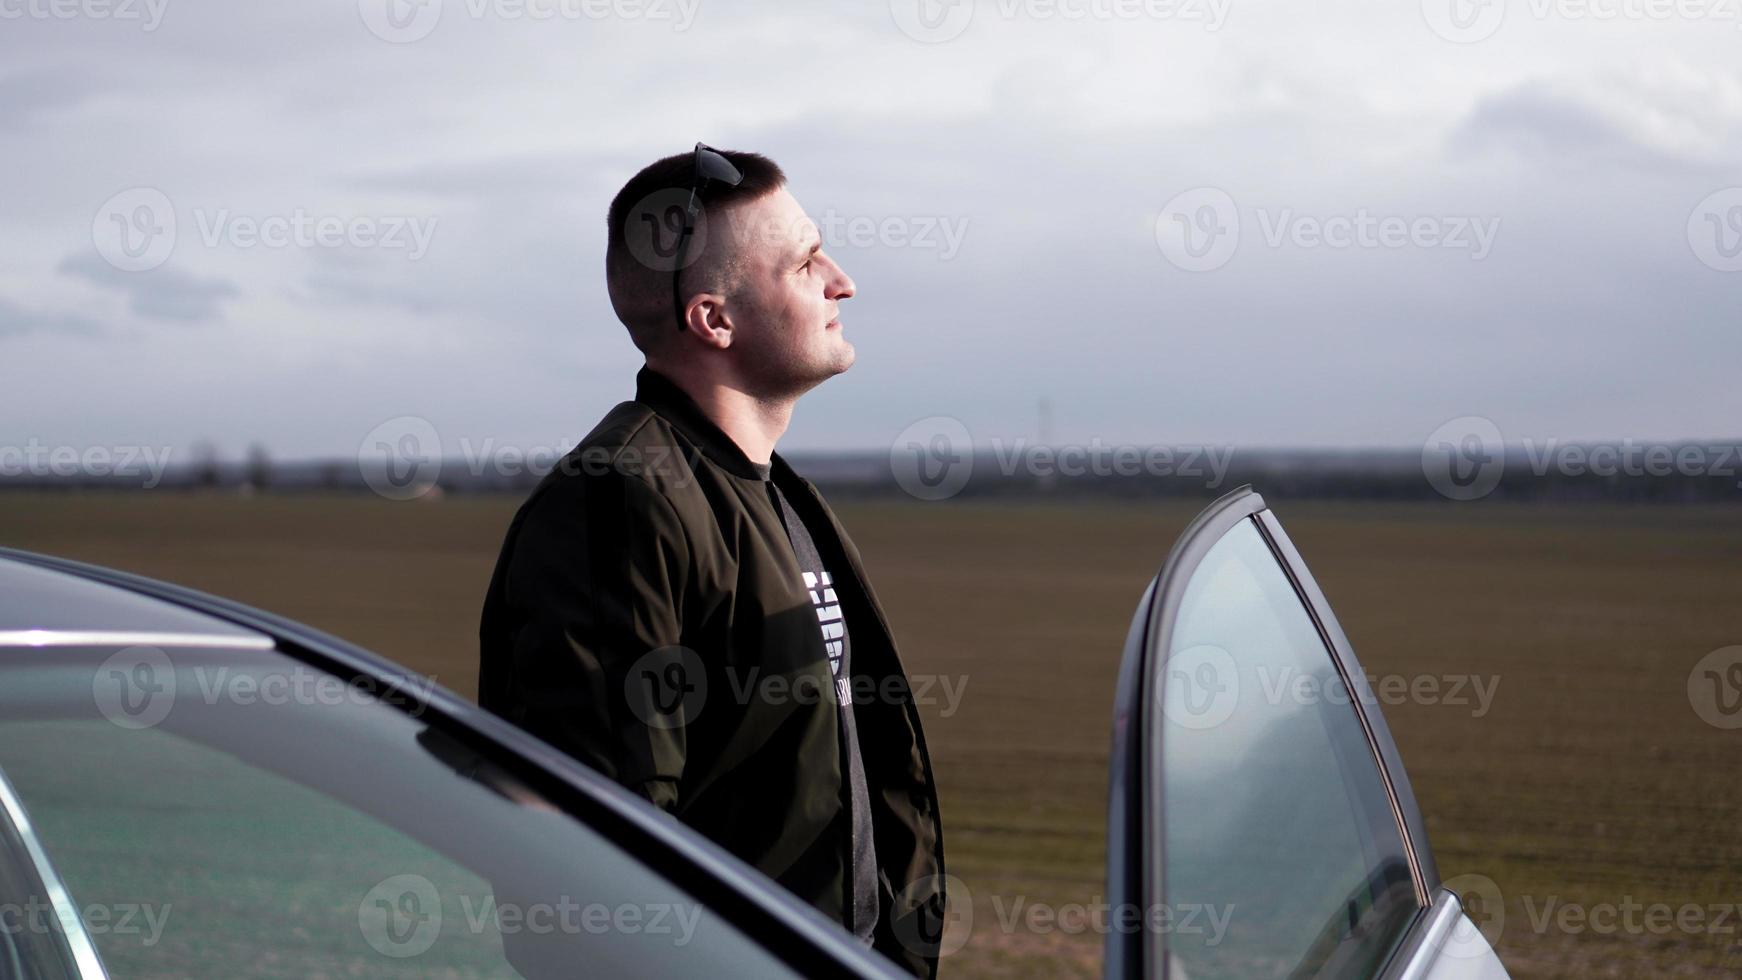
x=1282, y=856
x=238, y=814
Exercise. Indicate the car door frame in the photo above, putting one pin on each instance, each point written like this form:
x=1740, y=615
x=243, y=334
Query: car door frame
x=780, y=923
x=1136, y=858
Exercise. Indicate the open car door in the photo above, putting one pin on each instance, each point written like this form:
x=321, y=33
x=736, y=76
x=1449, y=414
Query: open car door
x=1260, y=822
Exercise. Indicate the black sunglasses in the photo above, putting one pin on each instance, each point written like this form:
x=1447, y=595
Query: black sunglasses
x=709, y=165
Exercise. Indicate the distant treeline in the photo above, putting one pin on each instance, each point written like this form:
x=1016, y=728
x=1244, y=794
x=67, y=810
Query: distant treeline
x=1589, y=472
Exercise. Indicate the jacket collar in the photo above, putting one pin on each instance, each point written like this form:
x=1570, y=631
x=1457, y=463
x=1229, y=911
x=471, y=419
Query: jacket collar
x=673, y=404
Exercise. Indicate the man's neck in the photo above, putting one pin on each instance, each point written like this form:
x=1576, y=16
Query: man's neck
x=755, y=424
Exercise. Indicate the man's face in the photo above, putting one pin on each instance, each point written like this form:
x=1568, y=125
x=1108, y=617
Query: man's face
x=785, y=311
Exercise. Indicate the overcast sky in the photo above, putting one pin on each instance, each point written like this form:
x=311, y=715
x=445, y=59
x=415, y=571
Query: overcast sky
x=1220, y=221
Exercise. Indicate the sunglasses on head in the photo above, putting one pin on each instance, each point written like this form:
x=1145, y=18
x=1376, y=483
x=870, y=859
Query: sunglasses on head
x=709, y=165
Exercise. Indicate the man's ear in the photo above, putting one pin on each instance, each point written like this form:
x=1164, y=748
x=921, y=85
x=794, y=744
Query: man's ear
x=707, y=320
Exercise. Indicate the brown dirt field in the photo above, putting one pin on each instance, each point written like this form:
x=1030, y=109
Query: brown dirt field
x=1591, y=781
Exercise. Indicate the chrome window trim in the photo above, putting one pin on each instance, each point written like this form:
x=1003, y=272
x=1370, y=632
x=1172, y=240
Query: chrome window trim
x=128, y=638
x=1424, y=871
x=85, y=958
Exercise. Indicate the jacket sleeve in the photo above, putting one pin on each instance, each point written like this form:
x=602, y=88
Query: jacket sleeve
x=596, y=578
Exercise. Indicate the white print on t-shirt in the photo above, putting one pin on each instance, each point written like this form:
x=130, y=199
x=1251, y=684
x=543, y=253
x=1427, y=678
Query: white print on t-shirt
x=834, y=627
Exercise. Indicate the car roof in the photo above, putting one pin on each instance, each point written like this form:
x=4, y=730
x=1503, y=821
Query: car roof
x=43, y=606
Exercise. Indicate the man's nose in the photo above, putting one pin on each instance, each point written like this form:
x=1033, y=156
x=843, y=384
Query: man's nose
x=842, y=284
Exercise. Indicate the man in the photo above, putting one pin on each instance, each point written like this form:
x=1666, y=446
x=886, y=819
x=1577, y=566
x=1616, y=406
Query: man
x=677, y=608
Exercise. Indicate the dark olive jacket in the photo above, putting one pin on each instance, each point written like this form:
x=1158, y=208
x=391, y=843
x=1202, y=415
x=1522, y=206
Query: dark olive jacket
x=647, y=616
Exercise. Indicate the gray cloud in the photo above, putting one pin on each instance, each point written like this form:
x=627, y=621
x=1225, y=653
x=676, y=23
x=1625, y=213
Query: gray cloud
x=16, y=320
x=160, y=294
x=1054, y=145
x=29, y=95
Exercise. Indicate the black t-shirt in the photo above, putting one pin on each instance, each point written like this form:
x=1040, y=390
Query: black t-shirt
x=860, y=906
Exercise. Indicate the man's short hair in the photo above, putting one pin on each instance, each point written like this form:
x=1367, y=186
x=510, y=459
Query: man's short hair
x=645, y=220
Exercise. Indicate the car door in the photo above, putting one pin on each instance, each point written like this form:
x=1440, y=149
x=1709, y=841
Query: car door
x=1260, y=821
x=230, y=794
